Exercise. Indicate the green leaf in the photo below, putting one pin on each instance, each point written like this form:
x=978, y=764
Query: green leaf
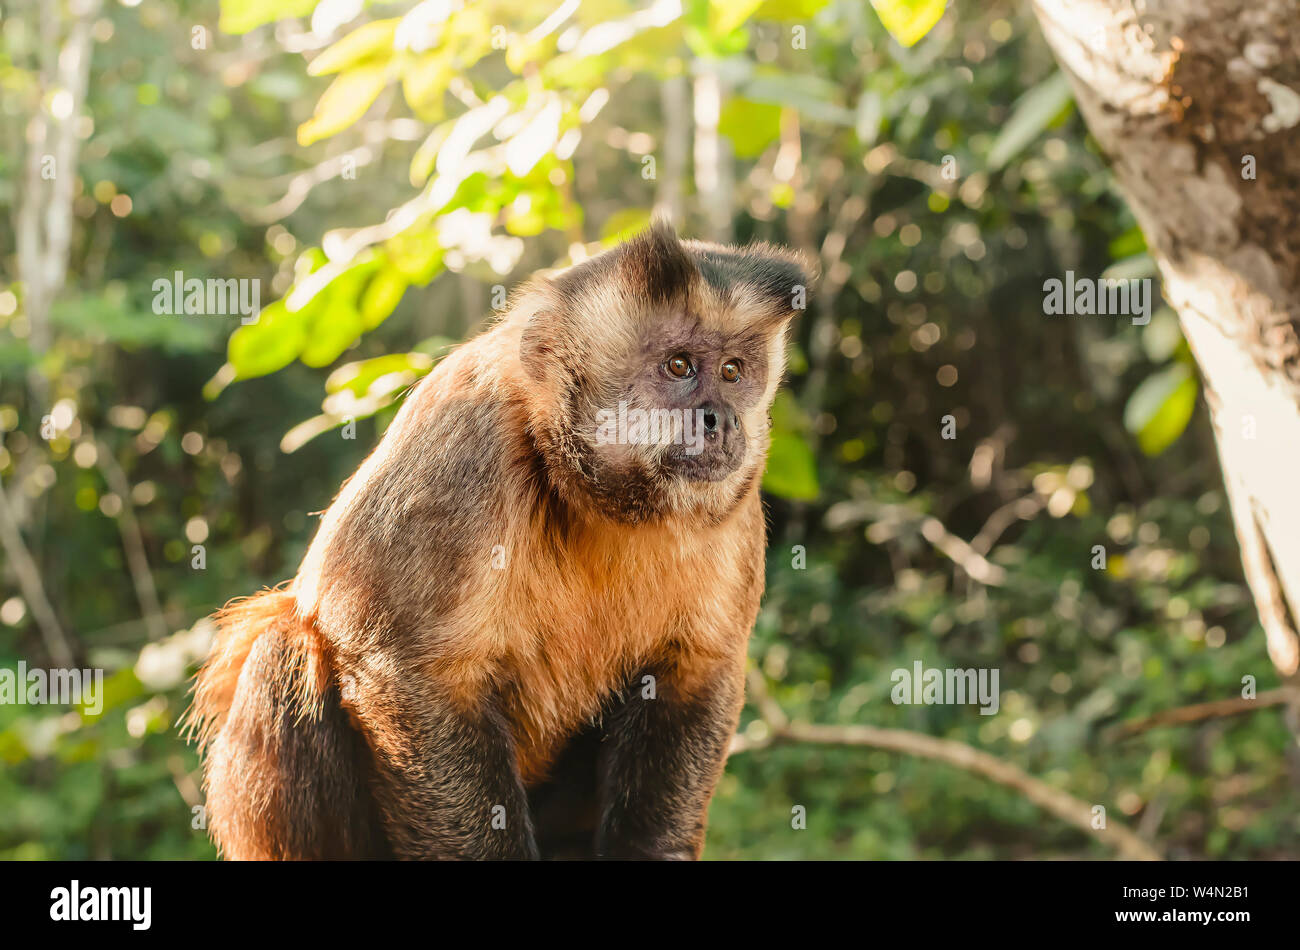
x=1163, y=336
x=423, y=83
x=1131, y=242
x=362, y=43
x=623, y=224
x=795, y=10
x=909, y=20
x=346, y=100
x=383, y=294
x=751, y=126
x=271, y=343
x=1030, y=117
x=1161, y=406
x=416, y=254
x=241, y=16
x=358, y=377
x=726, y=15
x=814, y=97
x=791, y=468
x=332, y=333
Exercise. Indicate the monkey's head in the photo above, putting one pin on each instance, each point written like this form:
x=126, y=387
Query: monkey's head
x=652, y=368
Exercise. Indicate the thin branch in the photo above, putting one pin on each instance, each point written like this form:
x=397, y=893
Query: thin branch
x=184, y=781
x=298, y=185
x=133, y=543
x=1022, y=509
x=1199, y=712
x=301, y=184
x=29, y=580
x=965, y=556
x=768, y=707
x=1051, y=799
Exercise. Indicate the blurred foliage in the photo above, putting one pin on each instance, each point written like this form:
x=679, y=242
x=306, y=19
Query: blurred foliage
x=384, y=169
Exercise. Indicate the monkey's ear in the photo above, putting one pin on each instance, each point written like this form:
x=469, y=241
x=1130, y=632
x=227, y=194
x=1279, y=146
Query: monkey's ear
x=789, y=276
x=771, y=284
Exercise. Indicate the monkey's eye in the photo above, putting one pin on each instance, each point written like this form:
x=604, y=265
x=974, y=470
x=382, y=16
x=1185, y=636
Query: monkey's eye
x=731, y=370
x=680, y=366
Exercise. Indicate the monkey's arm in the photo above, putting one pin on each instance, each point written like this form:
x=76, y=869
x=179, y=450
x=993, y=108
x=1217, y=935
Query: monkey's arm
x=399, y=554
x=448, y=783
x=662, y=758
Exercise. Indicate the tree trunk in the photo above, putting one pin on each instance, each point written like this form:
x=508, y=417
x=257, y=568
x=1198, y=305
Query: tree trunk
x=1197, y=105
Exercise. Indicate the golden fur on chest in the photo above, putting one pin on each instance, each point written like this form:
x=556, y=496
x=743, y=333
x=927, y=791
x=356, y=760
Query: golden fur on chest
x=605, y=604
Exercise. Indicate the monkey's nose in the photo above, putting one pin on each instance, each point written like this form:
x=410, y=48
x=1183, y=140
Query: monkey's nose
x=718, y=420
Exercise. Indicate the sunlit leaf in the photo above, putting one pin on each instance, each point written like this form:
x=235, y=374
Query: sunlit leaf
x=271, y=343
x=909, y=20
x=624, y=223
x=751, y=126
x=726, y=15
x=1161, y=406
x=528, y=221
x=358, y=376
x=333, y=332
x=346, y=100
x=416, y=254
x=365, y=42
x=240, y=16
x=382, y=295
x=813, y=96
x=1030, y=117
x=307, y=430
x=1132, y=268
x=791, y=469
x=526, y=148
x=424, y=82
x=1131, y=242
x=789, y=9
x=1163, y=336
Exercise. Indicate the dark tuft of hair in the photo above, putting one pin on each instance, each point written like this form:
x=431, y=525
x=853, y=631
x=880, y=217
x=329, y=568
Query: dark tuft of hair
x=771, y=272
x=656, y=264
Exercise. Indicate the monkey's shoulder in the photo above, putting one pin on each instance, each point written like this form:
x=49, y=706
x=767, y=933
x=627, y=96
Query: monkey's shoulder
x=425, y=506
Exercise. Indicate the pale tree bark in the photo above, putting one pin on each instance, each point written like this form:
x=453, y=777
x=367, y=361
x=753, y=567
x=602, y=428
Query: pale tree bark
x=43, y=236
x=1197, y=106
x=44, y=213
x=675, y=96
x=715, y=180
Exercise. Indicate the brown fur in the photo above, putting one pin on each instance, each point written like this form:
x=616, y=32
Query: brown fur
x=468, y=678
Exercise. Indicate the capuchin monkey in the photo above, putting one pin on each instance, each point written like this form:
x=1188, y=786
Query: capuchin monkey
x=521, y=628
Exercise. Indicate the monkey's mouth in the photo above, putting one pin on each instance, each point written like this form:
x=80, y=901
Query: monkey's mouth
x=713, y=464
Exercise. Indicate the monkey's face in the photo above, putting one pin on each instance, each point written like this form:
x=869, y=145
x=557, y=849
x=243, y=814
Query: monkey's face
x=694, y=401
x=658, y=363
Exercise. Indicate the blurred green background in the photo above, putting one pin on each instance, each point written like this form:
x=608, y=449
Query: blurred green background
x=404, y=166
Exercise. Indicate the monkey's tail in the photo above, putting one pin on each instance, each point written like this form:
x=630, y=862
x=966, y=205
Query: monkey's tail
x=287, y=775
